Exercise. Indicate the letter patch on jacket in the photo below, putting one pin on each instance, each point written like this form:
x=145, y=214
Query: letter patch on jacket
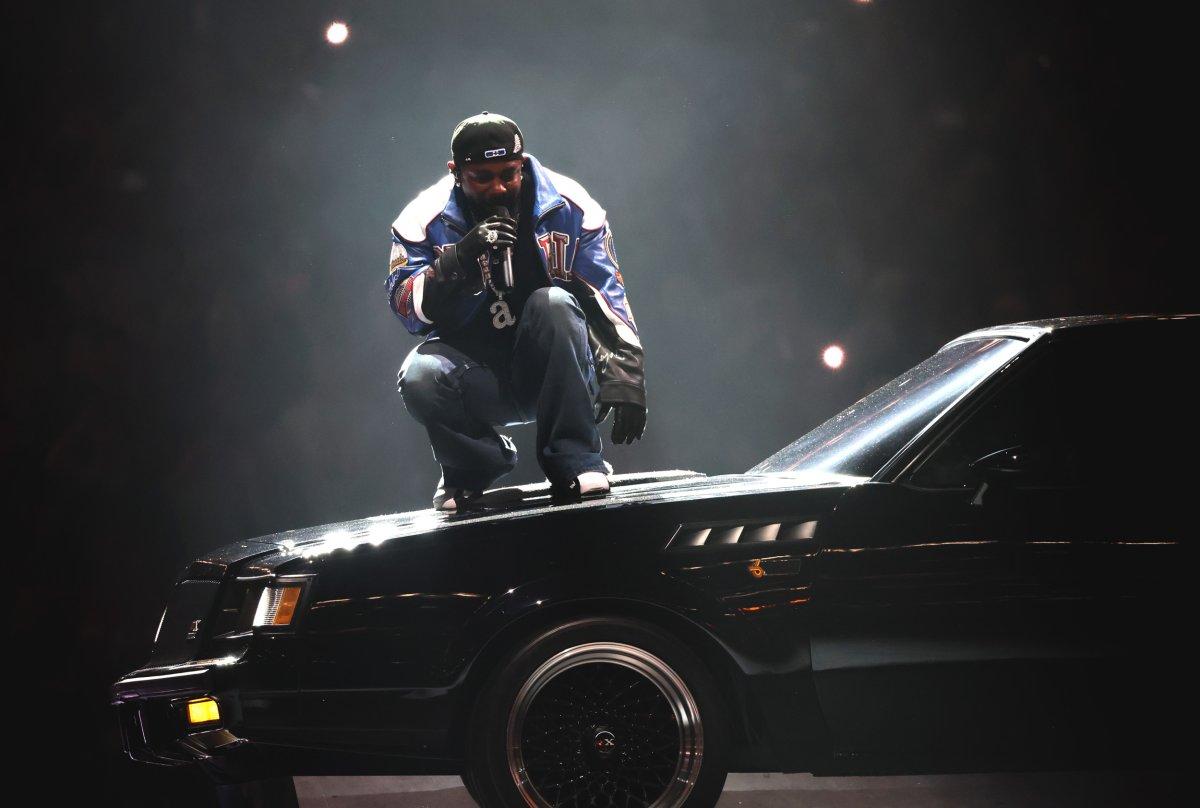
x=554, y=247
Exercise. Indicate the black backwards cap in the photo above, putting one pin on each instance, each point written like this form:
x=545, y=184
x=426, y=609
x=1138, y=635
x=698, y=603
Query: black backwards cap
x=486, y=136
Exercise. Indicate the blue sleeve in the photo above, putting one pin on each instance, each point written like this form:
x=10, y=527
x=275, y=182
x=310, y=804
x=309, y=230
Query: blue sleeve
x=409, y=267
x=595, y=264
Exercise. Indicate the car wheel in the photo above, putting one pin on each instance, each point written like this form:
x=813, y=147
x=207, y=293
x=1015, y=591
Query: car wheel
x=599, y=712
x=473, y=790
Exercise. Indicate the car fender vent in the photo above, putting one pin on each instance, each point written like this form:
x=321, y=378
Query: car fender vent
x=742, y=534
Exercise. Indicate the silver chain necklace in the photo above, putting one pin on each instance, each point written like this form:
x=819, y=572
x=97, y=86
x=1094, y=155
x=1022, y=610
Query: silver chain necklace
x=502, y=316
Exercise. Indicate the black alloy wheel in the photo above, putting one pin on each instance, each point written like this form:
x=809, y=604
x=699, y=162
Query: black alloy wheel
x=599, y=712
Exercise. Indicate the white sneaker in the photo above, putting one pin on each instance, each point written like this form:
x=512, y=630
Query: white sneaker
x=592, y=482
x=448, y=499
x=588, y=484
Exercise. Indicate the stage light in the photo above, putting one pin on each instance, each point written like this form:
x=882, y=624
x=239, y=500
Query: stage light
x=337, y=33
x=833, y=357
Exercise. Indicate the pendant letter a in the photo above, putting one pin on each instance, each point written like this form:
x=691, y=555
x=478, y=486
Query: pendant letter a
x=501, y=316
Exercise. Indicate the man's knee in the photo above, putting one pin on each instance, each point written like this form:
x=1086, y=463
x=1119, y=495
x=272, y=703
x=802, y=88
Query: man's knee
x=554, y=307
x=423, y=383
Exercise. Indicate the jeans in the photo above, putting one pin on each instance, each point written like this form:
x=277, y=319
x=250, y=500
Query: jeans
x=461, y=390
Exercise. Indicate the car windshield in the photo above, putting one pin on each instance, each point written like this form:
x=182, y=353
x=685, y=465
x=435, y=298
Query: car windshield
x=860, y=439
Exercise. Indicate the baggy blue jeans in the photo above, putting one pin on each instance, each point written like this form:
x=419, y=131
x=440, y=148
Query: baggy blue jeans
x=461, y=392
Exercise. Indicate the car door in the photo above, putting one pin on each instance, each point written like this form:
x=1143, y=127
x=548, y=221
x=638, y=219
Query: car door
x=912, y=612
x=1104, y=541
x=1015, y=593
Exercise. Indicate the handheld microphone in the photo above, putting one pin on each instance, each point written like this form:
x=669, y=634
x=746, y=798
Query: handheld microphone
x=508, y=268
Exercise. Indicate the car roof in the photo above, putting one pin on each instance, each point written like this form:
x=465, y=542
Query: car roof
x=1031, y=329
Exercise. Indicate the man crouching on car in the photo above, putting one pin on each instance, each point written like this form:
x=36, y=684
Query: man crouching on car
x=508, y=269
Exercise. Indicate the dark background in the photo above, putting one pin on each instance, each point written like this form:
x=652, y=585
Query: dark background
x=199, y=347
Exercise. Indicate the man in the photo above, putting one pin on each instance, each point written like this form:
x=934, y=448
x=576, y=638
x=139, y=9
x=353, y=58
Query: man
x=509, y=271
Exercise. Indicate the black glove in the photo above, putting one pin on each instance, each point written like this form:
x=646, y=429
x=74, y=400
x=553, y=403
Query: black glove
x=629, y=421
x=495, y=232
x=457, y=268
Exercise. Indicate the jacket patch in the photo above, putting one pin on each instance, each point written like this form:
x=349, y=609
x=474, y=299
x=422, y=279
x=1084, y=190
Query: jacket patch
x=612, y=254
x=404, y=299
x=399, y=257
x=554, y=249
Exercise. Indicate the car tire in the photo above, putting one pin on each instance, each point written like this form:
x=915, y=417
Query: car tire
x=598, y=711
x=468, y=779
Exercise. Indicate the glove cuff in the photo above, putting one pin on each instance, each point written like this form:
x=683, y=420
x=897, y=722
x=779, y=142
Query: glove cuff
x=619, y=392
x=447, y=268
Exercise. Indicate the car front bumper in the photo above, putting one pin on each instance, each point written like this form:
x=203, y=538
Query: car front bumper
x=152, y=712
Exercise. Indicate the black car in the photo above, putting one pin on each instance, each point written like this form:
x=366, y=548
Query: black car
x=984, y=564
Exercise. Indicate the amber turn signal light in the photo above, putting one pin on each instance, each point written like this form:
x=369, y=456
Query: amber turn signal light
x=287, y=606
x=277, y=605
x=203, y=711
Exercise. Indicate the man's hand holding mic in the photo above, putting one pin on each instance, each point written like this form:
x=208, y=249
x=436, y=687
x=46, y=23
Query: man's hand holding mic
x=497, y=233
x=462, y=268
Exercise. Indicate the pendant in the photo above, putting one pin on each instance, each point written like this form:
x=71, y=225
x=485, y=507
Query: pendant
x=501, y=316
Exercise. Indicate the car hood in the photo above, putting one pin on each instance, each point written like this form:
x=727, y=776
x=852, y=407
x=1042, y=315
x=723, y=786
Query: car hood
x=518, y=502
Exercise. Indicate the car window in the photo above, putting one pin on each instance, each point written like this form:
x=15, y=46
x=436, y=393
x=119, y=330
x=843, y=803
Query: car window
x=1016, y=415
x=859, y=440
x=1091, y=410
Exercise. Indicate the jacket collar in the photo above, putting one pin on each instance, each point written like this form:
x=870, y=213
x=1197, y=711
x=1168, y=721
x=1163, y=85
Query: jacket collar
x=545, y=197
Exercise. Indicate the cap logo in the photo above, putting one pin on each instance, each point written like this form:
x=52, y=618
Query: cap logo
x=516, y=143
x=490, y=153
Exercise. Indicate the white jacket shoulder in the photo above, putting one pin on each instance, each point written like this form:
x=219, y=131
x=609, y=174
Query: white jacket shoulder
x=411, y=223
x=593, y=214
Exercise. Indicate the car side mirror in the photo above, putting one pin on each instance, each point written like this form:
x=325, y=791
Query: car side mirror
x=1006, y=468
x=1007, y=465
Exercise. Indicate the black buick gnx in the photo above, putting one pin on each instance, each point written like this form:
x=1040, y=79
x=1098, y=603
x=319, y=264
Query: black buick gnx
x=983, y=564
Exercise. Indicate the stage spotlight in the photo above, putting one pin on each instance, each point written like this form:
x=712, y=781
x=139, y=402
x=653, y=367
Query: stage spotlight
x=833, y=357
x=337, y=33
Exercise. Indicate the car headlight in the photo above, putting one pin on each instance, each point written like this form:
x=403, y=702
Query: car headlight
x=277, y=605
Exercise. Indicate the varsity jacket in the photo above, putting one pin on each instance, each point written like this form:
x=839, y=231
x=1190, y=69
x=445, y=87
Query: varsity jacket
x=576, y=253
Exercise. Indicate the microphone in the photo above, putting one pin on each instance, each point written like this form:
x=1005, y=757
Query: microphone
x=508, y=268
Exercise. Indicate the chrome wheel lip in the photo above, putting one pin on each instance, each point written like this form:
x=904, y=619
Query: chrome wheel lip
x=674, y=690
